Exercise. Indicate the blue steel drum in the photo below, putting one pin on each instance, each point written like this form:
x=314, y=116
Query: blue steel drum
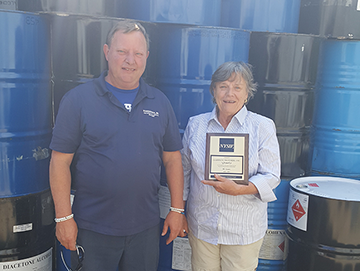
x=323, y=224
x=187, y=58
x=335, y=133
x=260, y=15
x=330, y=18
x=25, y=110
x=273, y=250
x=199, y=12
x=26, y=207
x=284, y=66
x=88, y=7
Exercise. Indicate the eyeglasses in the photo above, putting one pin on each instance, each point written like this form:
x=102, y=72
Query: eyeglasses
x=80, y=253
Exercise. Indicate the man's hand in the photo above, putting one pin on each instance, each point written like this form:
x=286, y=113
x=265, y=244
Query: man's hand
x=177, y=224
x=175, y=180
x=66, y=233
x=60, y=184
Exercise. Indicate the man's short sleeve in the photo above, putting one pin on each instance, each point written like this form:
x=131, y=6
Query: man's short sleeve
x=172, y=139
x=67, y=132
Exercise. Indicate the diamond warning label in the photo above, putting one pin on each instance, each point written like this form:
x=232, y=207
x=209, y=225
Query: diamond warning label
x=282, y=246
x=297, y=210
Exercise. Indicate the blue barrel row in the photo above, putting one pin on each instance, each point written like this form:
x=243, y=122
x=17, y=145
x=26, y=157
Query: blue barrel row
x=273, y=16
x=328, y=18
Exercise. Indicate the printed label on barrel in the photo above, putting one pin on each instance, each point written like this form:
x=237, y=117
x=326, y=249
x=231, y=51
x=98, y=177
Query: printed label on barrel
x=42, y=262
x=22, y=228
x=297, y=214
x=181, y=258
x=8, y=4
x=273, y=246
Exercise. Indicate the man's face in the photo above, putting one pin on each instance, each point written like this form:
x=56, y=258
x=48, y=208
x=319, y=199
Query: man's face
x=126, y=58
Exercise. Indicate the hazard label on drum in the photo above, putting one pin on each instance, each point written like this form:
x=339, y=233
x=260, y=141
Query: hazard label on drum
x=297, y=214
x=298, y=210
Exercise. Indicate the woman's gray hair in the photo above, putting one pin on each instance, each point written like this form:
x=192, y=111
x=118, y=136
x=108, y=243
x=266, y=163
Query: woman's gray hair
x=127, y=26
x=226, y=70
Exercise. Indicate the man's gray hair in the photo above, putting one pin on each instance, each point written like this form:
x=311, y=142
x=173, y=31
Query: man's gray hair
x=127, y=26
x=226, y=70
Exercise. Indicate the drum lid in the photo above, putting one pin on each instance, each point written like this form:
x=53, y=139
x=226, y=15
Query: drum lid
x=328, y=187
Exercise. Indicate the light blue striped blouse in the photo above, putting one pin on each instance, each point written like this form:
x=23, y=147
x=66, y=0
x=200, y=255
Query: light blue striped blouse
x=224, y=219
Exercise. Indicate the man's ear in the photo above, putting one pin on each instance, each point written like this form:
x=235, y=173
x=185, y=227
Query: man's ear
x=106, y=51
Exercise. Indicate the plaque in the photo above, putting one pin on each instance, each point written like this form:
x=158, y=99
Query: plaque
x=228, y=156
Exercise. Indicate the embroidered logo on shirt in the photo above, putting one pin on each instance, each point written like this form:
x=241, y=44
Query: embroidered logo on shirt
x=226, y=145
x=128, y=107
x=151, y=113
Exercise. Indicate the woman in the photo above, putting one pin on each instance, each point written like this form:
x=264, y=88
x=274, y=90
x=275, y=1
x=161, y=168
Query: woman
x=228, y=221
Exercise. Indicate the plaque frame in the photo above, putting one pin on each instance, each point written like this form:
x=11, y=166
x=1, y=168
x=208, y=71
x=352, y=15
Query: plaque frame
x=227, y=154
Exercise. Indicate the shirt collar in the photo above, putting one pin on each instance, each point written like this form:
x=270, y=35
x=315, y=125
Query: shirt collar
x=240, y=116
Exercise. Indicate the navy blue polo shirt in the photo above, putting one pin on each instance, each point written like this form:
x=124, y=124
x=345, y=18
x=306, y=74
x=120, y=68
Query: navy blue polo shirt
x=117, y=155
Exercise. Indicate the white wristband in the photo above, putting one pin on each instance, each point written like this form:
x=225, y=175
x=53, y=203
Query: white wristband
x=177, y=210
x=62, y=219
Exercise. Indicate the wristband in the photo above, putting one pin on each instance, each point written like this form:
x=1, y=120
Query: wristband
x=62, y=219
x=177, y=210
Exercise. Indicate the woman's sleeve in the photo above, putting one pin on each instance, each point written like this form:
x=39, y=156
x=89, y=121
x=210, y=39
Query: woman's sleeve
x=268, y=174
x=185, y=156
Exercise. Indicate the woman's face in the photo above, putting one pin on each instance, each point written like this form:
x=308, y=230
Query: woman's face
x=230, y=95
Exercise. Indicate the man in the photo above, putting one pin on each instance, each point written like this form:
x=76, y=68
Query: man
x=116, y=130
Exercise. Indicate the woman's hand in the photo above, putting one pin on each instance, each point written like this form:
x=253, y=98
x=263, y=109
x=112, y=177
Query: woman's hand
x=229, y=187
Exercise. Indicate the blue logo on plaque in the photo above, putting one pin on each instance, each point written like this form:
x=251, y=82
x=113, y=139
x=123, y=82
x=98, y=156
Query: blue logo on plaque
x=226, y=145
